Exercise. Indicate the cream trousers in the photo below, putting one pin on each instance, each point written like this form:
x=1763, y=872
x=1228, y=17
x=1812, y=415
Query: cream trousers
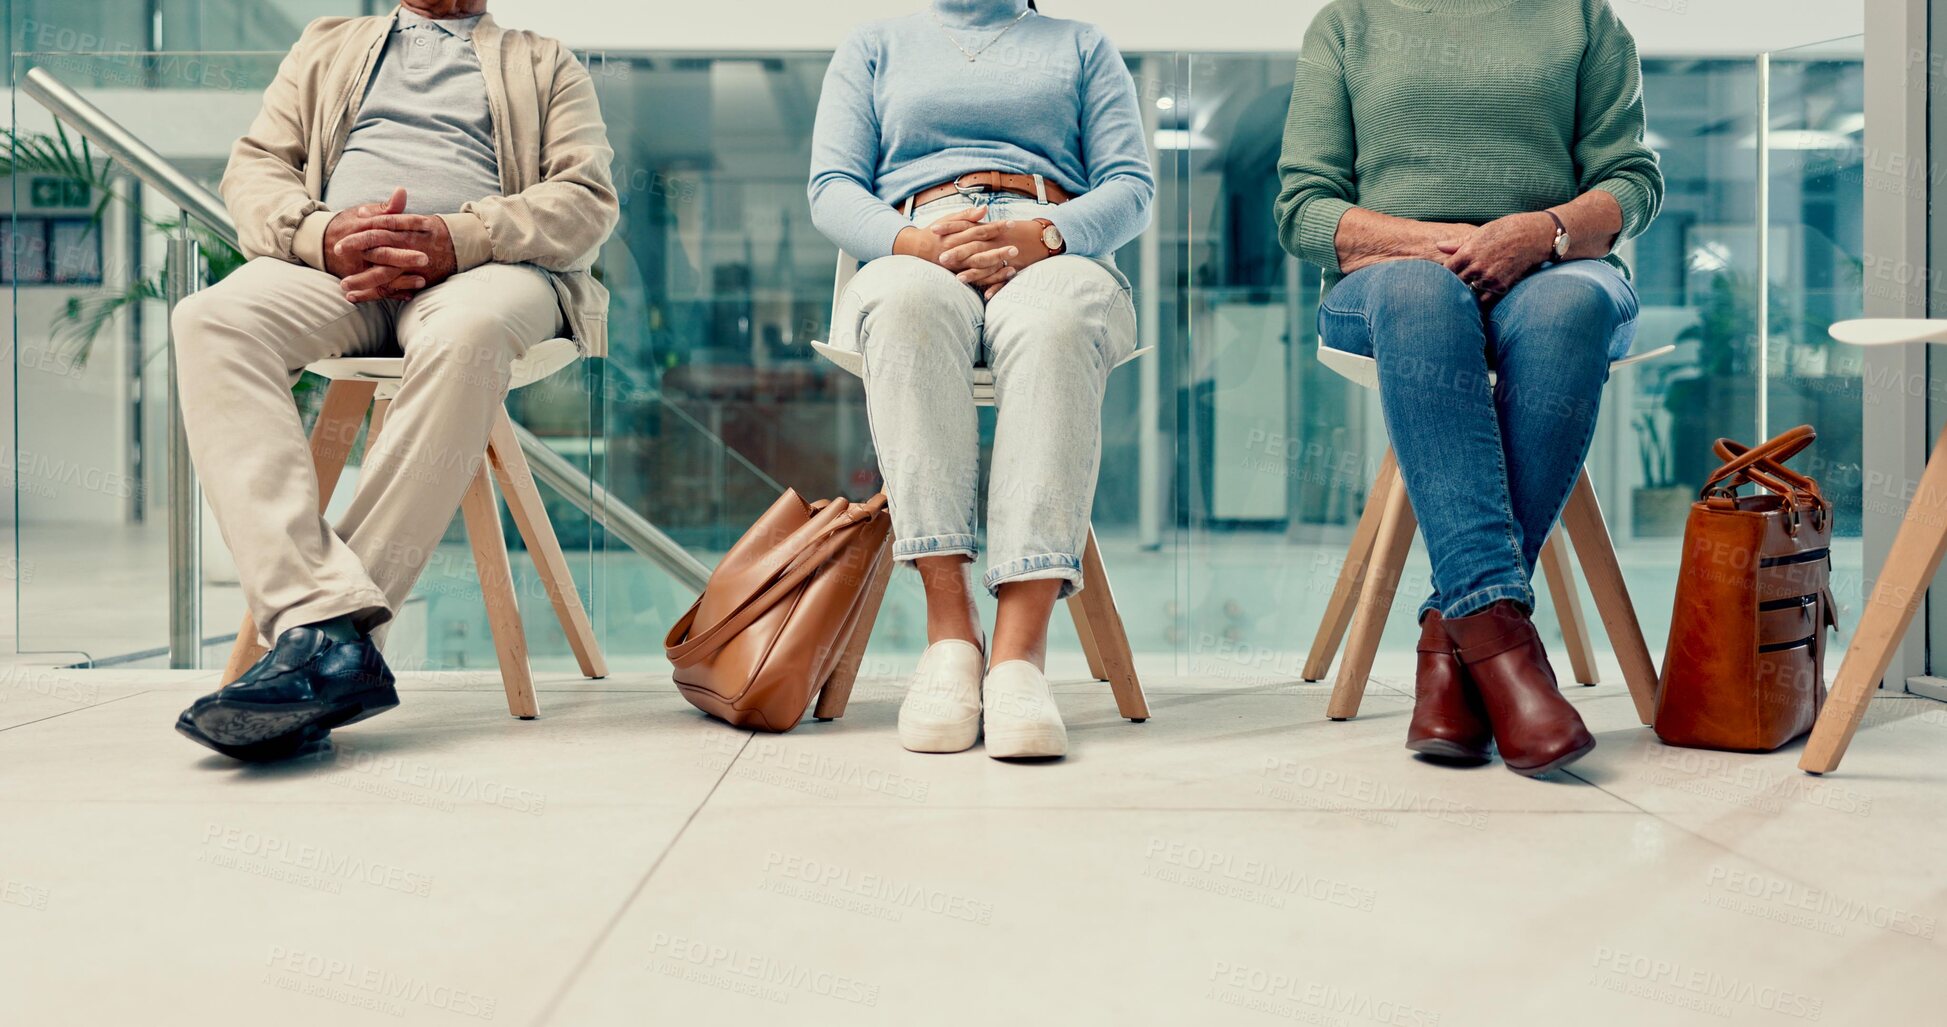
x=240, y=345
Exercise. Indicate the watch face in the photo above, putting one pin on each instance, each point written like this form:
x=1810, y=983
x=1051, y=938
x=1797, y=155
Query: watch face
x=1051, y=237
x=1561, y=244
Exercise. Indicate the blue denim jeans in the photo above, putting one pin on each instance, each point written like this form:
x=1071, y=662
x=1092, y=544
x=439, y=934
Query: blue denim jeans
x=1487, y=468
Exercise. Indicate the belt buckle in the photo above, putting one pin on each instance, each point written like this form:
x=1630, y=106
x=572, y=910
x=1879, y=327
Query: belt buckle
x=975, y=194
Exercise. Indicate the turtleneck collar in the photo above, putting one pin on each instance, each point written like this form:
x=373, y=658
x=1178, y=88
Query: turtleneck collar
x=978, y=13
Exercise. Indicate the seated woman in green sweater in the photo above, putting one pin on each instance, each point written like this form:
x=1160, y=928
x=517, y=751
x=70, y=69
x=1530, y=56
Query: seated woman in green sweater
x=1464, y=170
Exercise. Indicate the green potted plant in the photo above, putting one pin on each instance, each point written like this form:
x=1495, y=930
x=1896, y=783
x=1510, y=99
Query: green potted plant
x=1659, y=505
x=83, y=318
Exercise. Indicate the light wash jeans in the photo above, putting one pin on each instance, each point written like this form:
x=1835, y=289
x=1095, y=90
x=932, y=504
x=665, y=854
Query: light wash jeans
x=1051, y=337
x=1487, y=470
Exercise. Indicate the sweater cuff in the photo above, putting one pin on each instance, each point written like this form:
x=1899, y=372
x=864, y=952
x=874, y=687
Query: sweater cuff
x=471, y=245
x=877, y=237
x=1318, y=231
x=1635, y=203
x=308, y=244
x=1077, y=232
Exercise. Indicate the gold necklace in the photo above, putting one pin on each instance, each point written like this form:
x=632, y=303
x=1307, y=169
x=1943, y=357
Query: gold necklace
x=974, y=55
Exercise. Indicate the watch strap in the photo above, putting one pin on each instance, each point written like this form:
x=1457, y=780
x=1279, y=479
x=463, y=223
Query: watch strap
x=1561, y=233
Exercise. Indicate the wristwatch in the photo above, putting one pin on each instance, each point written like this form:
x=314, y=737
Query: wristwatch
x=1561, y=235
x=1051, y=236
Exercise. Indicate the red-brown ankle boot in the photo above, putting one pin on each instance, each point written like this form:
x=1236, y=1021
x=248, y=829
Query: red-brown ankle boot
x=1448, y=718
x=1536, y=729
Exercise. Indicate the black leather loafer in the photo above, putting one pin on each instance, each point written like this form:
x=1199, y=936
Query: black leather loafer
x=300, y=690
x=280, y=748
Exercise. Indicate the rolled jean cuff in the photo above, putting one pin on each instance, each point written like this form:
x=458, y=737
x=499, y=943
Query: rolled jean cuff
x=934, y=545
x=1475, y=602
x=1041, y=567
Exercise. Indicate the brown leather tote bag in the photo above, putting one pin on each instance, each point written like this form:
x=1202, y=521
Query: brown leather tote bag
x=779, y=611
x=1745, y=667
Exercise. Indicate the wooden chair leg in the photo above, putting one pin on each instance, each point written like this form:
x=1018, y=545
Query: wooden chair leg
x=1582, y=520
x=1897, y=596
x=1106, y=630
x=531, y=517
x=1090, y=647
x=838, y=687
x=1568, y=608
x=1394, y=540
x=1345, y=593
x=497, y=591
x=332, y=436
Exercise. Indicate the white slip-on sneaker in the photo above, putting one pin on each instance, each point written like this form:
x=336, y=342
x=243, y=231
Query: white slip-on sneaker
x=942, y=708
x=1019, y=712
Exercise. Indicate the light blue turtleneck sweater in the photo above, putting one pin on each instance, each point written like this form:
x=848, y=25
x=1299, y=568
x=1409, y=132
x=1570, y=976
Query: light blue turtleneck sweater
x=903, y=109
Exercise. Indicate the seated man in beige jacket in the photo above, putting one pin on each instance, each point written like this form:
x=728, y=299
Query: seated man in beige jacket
x=421, y=182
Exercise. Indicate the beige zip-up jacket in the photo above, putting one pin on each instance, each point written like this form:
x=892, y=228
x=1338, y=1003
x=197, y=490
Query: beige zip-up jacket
x=558, y=201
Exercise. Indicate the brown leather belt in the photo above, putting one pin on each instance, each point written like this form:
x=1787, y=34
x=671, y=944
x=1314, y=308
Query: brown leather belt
x=993, y=182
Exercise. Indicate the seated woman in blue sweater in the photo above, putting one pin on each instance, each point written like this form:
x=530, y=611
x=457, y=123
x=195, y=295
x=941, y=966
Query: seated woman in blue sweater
x=985, y=162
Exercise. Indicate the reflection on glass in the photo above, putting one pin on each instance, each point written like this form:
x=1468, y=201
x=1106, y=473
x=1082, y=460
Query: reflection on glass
x=1815, y=148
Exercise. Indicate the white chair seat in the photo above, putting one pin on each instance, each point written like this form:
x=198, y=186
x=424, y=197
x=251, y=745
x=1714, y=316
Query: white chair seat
x=540, y=361
x=1889, y=331
x=1364, y=371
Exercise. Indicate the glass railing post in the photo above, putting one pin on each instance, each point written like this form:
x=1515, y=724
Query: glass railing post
x=184, y=275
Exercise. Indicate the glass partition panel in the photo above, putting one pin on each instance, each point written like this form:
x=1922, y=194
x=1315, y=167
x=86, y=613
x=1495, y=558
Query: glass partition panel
x=1696, y=273
x=1234, y=464
x=1278, y=452
x=89, y=324
x=1817, y=273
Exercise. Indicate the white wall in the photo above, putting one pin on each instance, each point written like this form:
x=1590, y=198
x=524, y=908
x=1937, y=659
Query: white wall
x=1662, y=27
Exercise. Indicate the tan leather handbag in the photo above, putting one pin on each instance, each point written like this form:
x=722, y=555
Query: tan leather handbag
x=779, y=611
x=1745, y=667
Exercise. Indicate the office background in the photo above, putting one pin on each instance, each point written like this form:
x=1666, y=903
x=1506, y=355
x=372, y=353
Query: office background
x=1234, y=464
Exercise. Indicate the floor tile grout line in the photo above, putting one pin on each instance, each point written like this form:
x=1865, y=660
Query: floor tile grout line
x=77, y=709
x=1790, y=875
x=1664, y=818
x=560, y=995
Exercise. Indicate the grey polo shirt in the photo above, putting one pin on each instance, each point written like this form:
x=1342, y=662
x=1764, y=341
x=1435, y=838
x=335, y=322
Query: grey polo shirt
x=424, y=123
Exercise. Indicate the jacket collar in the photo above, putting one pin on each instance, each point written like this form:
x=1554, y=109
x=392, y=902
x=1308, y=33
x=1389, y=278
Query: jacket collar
x=485, y=31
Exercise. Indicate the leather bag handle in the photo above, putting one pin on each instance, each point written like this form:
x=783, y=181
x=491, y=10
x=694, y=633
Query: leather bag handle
x=1769, y=473
x=1772, y=452
x=800, y=556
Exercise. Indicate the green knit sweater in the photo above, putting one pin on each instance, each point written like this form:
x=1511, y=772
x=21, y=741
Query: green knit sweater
x=1461, y=110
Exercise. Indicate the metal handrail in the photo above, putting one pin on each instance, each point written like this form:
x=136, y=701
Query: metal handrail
x=587, y=495
x=550, y=467
x=132, y=153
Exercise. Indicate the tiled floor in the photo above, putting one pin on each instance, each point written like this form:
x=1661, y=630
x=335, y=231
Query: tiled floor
x=1237, y=859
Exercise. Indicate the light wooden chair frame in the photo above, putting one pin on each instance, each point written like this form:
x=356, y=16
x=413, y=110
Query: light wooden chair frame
x=359, y=384
x=1363, y=594
x=1902, y=586
x=1105, y=642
